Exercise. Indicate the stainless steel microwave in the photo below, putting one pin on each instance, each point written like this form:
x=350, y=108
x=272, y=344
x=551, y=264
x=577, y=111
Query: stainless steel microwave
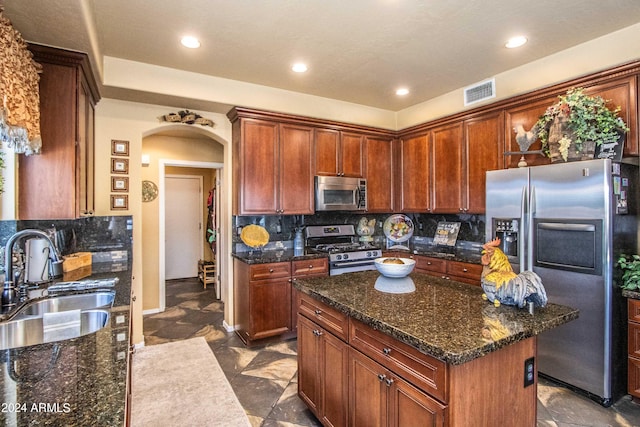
x=340, y=193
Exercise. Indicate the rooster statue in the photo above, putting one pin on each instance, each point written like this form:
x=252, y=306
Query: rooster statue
x=502, y=285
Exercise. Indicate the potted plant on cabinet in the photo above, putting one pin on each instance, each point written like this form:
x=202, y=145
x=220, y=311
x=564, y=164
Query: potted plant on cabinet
x=572, y=128
x=630, y=265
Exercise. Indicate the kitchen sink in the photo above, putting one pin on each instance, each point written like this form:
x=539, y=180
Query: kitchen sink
x=26, y=331
x=67, y=302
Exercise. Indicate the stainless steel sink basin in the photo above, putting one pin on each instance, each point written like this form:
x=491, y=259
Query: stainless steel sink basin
x=28, y=331
x=68, y=302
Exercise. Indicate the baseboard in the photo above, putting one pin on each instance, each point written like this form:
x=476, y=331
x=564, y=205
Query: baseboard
x=227, y=327
x=151, y=311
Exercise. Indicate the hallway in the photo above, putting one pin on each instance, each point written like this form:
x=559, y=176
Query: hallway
x=265, y=378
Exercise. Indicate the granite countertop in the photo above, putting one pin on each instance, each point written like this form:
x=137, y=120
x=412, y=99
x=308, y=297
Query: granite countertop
x=445, y=319
x=453, y=254
x=631, y=294
x=75, y=382
x=265, y=257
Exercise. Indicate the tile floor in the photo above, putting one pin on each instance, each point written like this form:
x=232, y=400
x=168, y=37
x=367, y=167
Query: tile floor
x=265, y=379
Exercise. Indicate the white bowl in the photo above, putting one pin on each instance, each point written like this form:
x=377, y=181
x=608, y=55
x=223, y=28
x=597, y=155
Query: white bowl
x=395, y=270
x=395, y=285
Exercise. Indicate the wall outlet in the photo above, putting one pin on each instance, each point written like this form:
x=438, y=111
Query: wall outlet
x=529, y=371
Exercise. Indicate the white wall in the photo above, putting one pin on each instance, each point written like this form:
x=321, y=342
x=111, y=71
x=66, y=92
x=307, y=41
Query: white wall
x=131, y=122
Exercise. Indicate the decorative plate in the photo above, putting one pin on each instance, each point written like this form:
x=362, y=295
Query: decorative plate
x=149, y=191
x=254, y=236
x=398, y=228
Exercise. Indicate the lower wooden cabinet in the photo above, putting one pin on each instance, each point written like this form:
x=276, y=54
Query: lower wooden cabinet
x=380, y=398
x=300, y=269
x=323, y=373
x=464, y=272
x=633, y=343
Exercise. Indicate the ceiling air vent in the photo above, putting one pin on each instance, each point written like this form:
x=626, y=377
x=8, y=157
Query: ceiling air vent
x=480, y=91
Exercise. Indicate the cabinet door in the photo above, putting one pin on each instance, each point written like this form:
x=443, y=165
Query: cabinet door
x=379, y=174
x=622, y=93
x=296, y=195
x=334, y=362
x=414, y=174
x=258, y=162
x=483, y=152
x=351, y=154
x=269, y=307
x=447, y=169
x=85, y=154
x=327, y=143
x=411, y=407
x=308, y=366
x=368, y=391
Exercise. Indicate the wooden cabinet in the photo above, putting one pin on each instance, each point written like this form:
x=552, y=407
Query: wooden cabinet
x=483, y=148
x=317, y=267
x=414, y=174
x=339, y=153
x=445, y=269
x=262, y=299
x=323, y=362
x=633, y=342
x=379, y=170
x=59, y=183
x=272, y=168
x=383, y=375
x=447, y=169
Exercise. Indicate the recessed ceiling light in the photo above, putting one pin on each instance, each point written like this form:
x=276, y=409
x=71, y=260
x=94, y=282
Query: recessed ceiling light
x=516, y=42
x=190, y=42
x=402, y=91
x=299, y=67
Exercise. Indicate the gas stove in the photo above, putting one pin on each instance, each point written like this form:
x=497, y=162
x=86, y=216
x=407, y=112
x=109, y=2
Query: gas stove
x=346, y=254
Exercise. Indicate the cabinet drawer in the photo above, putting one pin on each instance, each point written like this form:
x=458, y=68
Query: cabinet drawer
x=634, y=310
x=423, y=371
x=633, y=386
x=432, y=265
x=329, y=318
x=273, y=270
x=464, y=269
x=308, y=267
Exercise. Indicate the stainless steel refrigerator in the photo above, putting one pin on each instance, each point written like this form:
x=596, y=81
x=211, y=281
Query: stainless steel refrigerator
x=568, y=223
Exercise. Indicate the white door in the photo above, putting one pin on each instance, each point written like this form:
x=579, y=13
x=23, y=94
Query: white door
x=183, y=225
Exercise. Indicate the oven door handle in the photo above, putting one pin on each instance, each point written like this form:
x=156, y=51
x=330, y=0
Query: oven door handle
x=347, y=263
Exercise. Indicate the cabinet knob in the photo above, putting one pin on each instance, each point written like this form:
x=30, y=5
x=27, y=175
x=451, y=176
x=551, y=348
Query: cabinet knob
x=386, y=351
x=318, y=312
x=271, y=270
x=388, y=381
x=317, y=332
x=381, y=377
x=464, y=269
x=310, y=266
x=428, y=262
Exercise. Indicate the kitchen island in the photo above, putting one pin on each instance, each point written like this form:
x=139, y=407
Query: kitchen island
x=75, y=382
x=440, y=355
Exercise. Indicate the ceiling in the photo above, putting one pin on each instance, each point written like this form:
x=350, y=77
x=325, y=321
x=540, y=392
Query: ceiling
x=359, y=51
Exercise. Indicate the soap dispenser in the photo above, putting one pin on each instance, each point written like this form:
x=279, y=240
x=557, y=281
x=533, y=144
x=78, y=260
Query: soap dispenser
x=298, y=243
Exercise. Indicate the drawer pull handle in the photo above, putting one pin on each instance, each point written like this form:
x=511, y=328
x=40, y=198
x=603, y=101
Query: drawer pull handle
x=386, y=351
x=318, y=312
x=388, y=381
x=381, y=377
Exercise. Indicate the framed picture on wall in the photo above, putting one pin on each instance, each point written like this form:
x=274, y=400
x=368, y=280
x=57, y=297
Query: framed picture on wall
x=119, y=202
x=119, y=147
x=119, y=184
x=119, y=165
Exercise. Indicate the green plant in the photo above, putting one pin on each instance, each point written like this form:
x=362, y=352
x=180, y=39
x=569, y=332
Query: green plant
x=587, y=118
x=630, y=265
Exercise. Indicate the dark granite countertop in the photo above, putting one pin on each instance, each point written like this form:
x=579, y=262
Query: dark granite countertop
x=445, y=319
x=454, y=254
x=265, y=257
x=75, y=382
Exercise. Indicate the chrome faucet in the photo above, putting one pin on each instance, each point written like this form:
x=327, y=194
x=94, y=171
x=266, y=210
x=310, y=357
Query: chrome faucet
x=12, y=287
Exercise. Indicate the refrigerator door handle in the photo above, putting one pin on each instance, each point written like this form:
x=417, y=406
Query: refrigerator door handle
x=522, y=240
x=530, y=227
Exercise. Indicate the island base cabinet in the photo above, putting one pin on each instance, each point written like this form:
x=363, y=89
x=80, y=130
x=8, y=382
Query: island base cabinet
x=380, y=398
x=322, y=373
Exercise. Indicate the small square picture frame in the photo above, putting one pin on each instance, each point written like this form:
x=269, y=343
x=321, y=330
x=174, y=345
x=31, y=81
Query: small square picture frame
x=119, y=184
x=119, y=147
x=119, y=202
x=120, y=166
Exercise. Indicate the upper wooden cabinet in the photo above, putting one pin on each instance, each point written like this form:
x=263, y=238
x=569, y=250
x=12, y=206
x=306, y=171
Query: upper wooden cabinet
x=379, y=169
x=59, y=182
x=272, y=165
x=339, y=153
x=448, y=169
x=483, y=142
x=413, y=175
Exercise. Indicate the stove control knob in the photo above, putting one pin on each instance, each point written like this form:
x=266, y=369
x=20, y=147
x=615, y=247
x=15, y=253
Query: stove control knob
x=338, y=257
x=345, y=256
x=369, y=253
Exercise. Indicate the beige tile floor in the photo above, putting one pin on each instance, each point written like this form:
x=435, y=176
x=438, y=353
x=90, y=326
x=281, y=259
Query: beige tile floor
x=265, y=378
